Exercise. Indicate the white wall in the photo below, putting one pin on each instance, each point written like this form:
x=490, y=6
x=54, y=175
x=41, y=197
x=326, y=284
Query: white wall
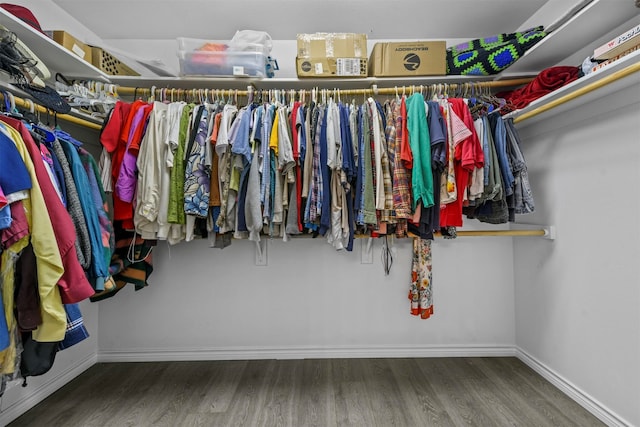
x=311, y=301
x=577, y=300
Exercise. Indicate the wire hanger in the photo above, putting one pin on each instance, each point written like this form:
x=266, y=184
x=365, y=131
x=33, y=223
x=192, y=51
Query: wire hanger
x=387, y=255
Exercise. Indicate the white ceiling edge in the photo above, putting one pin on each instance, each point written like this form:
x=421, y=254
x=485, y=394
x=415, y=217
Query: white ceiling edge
x=53, y=17
x=283, y=19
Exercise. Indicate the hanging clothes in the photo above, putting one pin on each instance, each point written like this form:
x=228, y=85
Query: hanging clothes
x=523, y=195
x=99, y=269
x=149, y=164
x=73, y=283
x=83, y=242
x=115, y=139
x=50, y=265
x=407, y=166
x=467, y=155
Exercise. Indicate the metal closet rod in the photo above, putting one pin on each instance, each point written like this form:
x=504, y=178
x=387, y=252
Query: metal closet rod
x=27, y=103
x=178, y=93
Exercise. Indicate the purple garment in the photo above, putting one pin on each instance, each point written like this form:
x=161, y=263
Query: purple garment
x=127, y=178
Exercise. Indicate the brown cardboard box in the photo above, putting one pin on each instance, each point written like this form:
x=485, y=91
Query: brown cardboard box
x=71, y=43
x=398, y=59
x=332, y=55
x=108, y=63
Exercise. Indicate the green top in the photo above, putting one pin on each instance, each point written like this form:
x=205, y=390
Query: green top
x=420, y=143
x=176, y=192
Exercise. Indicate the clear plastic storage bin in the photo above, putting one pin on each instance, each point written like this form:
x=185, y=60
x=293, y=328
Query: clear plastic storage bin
x=206, y=58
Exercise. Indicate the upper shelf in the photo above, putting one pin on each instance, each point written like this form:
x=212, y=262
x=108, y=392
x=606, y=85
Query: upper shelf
x=55, y=57
x=619, y=75
x=576, y=35
x=591, y=23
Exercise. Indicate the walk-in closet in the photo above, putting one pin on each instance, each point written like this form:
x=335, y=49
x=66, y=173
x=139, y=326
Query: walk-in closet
x=188, y=242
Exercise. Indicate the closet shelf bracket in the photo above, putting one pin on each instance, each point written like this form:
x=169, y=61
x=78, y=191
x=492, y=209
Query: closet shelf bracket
x=550, y=232
x=546, y=231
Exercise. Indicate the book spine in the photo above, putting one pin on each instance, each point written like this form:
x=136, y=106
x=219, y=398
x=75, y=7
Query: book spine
x=622, y=38
x=614, y=59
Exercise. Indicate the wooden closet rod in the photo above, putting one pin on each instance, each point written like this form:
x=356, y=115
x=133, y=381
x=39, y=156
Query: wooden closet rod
x=66, y=117
x=484, y=233
x=491, y=233
x=178, y=93
x=579, y=92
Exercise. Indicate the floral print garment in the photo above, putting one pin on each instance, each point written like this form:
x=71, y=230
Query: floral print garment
x=420, y=291
x=198, y=174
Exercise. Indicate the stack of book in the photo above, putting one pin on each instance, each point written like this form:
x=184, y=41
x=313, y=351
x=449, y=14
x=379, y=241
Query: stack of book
x=624, y=44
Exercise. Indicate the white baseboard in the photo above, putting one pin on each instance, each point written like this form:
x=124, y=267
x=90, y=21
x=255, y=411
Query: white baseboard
x=45, y=390
x=248, y=353
x=567, y=387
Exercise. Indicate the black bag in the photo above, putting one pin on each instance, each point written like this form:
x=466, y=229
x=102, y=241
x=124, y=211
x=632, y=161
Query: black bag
x=37, y=357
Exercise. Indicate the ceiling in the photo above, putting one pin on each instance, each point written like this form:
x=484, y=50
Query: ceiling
x=283, y=19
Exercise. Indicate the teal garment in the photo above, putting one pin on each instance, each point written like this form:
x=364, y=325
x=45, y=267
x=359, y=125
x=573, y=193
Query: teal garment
x=420, y=143
x=99, y=269
x=101, y=203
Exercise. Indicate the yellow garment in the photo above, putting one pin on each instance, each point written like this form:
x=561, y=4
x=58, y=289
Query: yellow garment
x=273, y=139
x=48, y=259
x=234, y=182
x=7, y=277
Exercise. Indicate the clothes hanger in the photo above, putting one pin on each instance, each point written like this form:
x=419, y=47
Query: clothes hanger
x=47, y=135
x=30, y=115
x=10, y=106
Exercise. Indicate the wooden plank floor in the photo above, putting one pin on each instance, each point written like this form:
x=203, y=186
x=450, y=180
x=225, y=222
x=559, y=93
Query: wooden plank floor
x=313, y=392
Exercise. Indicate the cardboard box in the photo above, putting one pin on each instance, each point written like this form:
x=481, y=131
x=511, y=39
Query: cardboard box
x=332, y=55
x=399, y=59
x=108, y=63
x=71, y=43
